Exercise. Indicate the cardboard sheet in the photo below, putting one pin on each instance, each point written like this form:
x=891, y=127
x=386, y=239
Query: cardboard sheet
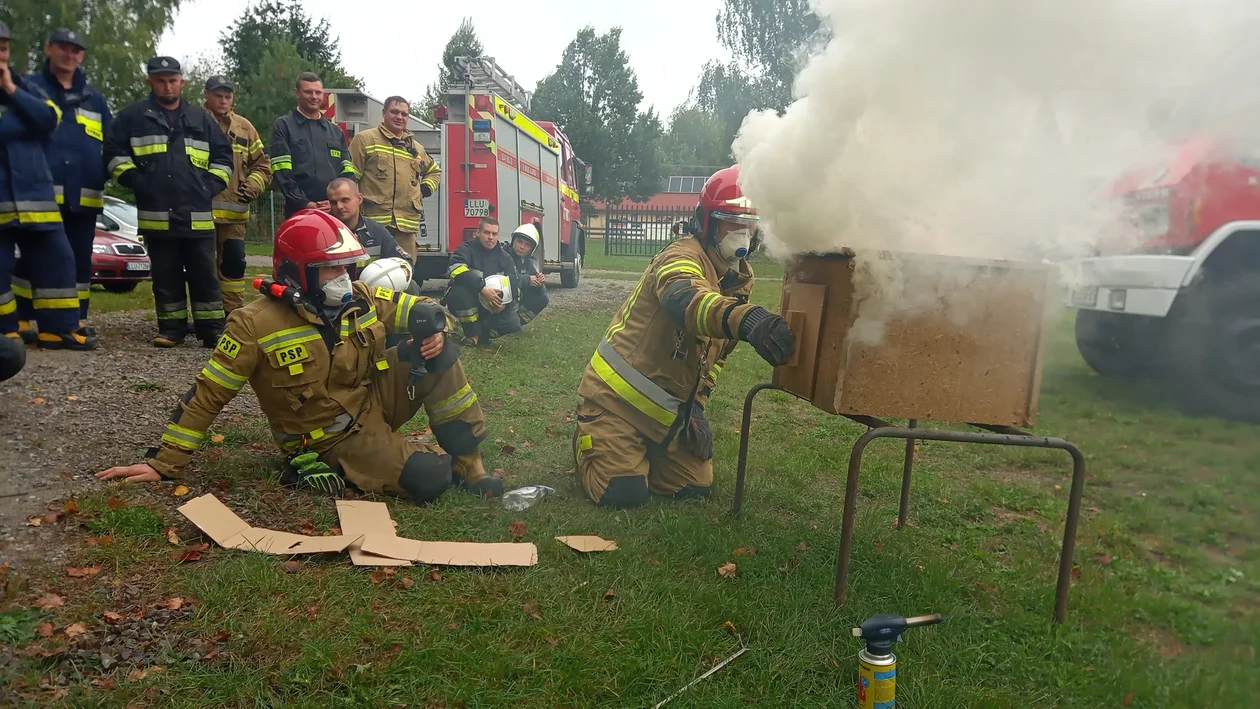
x=451, y=553
x=587, y=543
x=360, y=518
x=230, y=531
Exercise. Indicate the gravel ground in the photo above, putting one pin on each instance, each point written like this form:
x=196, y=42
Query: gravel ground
x=70, y=414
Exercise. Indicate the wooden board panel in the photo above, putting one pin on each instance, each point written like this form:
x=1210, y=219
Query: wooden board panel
x=803, y=307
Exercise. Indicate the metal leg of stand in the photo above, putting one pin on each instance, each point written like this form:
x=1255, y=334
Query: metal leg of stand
x=903, y=510
x=1069, y=529
x=745, y=431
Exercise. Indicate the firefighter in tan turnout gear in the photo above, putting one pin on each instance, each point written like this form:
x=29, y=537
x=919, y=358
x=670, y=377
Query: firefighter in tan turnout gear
x=397, y=174
x=641, y=427
x=251, y=175
x=314, y=352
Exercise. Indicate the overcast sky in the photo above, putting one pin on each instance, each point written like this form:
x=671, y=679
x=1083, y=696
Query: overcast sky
x=395, y=47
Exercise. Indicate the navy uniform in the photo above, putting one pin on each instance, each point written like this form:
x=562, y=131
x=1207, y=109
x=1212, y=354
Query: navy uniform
x=307, y=154
x=469, y=266
x=31, y=222
x=533, y=299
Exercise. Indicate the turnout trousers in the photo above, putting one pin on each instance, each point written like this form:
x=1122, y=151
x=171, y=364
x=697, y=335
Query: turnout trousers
x=478, y=322
x=184, y=274
x=229, y=254
x=80, y=230
x=619, y=467
x=48, y=286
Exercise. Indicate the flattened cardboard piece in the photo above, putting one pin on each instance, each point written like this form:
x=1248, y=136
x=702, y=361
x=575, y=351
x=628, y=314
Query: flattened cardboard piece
x=586, y=543
x=231, y=532
x=360, y=518
x=452, y=553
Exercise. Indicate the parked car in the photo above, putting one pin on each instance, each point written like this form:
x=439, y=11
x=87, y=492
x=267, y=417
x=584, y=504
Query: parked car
x=119, y=218
x=118, y=263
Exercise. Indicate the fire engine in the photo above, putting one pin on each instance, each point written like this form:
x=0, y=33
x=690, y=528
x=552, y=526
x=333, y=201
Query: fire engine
x=1183, y=306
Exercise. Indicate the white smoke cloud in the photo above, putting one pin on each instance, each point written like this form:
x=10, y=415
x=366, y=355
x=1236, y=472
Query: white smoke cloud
x=992, y=128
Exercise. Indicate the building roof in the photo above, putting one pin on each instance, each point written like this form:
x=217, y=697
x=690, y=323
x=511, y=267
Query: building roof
x=660, y=200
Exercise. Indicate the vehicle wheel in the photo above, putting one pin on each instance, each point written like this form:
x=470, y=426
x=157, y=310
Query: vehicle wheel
x=571, y=279
x=124, y=287
x=1216, y=350
x=1116, y=345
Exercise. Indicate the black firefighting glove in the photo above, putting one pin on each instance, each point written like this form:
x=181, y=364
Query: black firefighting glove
x=426, y=190
x=699, y=434
x=310, y=472
x=769, y=334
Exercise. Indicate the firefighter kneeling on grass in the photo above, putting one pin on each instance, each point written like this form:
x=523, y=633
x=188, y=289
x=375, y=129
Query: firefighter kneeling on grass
x=641, y=427
x=315, y=354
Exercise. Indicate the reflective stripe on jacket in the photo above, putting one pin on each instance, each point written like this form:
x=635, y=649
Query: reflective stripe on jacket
x=668, y=340
x=27, y=120
x=74, y=153
x=393, y=169
x=251, y=170
x=307, y=154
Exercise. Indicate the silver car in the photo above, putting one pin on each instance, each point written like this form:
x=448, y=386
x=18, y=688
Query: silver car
x=119, y=219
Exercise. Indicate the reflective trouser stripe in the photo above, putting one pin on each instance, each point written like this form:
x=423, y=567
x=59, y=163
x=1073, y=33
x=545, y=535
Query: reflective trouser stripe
x=453, y=405
x=8, y=303
x=208, y=311
x=84, y=289
x=231, y=286
x=54, y=298
x=632, y=386
x=467, y=316
x=290, y=441
x=230, y=210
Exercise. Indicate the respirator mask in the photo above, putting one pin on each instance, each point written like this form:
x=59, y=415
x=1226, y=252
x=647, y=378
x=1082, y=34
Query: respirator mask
x=741, y=241
x=336, y=290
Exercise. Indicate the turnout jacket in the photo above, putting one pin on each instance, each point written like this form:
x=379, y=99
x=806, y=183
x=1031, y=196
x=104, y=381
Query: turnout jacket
x=251, y=170
x=312, y=379
x=307, y=154
x=472, y=262
x=74, y=153
x=175, y=167
x=377, y=241
x=524, y=269
x=395, y=172
x=27, y=121
x=667, y=344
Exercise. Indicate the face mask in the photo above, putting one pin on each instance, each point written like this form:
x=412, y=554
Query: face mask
x=735, y=245
x=336, y=290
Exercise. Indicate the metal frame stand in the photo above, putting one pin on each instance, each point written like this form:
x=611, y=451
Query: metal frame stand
x=993, y=435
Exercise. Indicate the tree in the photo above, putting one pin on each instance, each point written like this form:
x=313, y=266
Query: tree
x=121, y=36
x=696, y=138
x=594, y=95
x=257, y=32
x=271, y=86
x=771, y=39
x=463, y=43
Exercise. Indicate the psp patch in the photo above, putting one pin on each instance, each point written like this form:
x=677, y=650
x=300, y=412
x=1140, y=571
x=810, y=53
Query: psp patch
x=383, y=293
x=292, y=355
x=229, y=347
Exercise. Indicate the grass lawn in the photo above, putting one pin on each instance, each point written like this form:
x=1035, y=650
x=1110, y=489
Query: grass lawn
x=1163, y=612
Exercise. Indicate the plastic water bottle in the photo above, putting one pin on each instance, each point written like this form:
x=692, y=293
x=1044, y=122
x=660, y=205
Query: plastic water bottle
x=525, y=497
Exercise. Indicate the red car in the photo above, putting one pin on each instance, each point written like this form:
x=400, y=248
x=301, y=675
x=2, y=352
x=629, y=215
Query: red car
x=118, y=263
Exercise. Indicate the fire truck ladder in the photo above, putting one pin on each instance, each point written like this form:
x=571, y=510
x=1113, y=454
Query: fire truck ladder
x=485, y=74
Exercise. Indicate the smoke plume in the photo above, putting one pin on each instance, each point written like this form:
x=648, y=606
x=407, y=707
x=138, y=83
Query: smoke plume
x=993, y=128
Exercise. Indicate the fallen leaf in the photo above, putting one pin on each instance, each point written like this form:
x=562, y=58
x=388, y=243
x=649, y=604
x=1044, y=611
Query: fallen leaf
x=216, y=438
x=518, y=529
x=727, y=570
x=82, y=572
x=568, y=418
x=802, y=547
x=334, y=532
x=54, y=517
x=879, y=545
x=312, y=611
x=103, y=682
x=434, y=576
x=105, y=540
x=745, y=550
x=72, y=508
x=1128, y=698
x=1104, y=559
x=37, y=400
x=508, y=449
x=74, y=631
x=190, y=555
x=172, y=536
x=408, y=582
x=115, y=503
x=66, y=474
x=452, y=626
x=44, y=630
x=223, y=485
x=511, y=392
x=610, y=594
x=553, y=640
x=548, y=430
x=791, y=564
x=137, y=675
x=306, y=527
x=111, y=617
x=72, y=398
x=223, y=636
x=731, y=627
x=34, y=521
x=181, y=490
x=1076, y=572
x=292, y=566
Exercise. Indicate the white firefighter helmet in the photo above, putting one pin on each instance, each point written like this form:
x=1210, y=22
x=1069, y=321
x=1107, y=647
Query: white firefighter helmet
x=528, y=232
x=501, y=283
x=392, y=273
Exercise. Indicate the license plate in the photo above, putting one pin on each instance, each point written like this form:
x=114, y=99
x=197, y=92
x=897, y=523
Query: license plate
x=476, y=208
x=137, y=265
x=1086, y=297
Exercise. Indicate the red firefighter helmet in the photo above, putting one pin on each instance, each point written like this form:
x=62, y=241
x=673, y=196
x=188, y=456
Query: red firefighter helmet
x=723, y=199
x=308, y=240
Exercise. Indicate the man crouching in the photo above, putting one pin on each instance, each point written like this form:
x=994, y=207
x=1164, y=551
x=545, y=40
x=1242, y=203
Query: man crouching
x=314, y=351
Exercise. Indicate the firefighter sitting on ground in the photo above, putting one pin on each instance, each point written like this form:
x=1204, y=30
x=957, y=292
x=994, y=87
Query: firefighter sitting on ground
x=334, y=395
x=483, y=309
x=527, y=282
x=641, y=426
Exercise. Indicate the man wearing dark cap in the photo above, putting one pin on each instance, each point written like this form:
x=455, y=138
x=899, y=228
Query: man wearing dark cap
x=251, y=174
x=74, y=154
x=29, y=217
x=176, y=159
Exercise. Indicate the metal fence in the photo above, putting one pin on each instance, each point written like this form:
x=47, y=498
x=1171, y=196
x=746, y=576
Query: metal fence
x=633, y=231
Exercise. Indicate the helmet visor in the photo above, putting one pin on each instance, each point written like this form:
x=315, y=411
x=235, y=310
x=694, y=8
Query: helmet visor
x=752, y=221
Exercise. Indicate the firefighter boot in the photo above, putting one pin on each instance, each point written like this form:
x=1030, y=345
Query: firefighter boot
x=27, y=332
x=78, y=340
x=470, y=473
x=12, y=355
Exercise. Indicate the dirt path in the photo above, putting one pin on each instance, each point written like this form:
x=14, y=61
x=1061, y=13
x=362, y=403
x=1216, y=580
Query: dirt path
x=69, y=414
